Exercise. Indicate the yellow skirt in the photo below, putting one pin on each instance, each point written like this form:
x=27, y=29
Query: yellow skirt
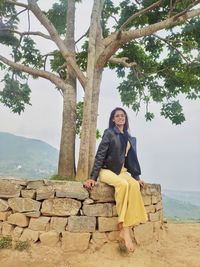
x=129, y=202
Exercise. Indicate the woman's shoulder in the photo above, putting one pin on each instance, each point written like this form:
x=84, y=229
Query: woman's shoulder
x=132, y=138
x=108, y=131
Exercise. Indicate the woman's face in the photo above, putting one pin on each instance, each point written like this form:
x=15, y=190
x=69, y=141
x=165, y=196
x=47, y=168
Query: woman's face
x=119, y=118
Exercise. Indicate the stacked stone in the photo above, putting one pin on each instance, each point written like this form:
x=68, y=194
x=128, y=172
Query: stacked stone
x=64, y=213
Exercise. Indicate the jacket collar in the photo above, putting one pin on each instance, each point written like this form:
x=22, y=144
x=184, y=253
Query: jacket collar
x=117, y=131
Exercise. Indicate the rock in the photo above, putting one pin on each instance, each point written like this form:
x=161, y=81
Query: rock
x=60, y=207
x=88, y=201
x=15, y=181
x=77, y=242
x=58, y=224
x=155, y=199
x=45, y=192
x=7, y=229
x=99, y=238
x=154, y=217
x=102, y=192
x=113, y=236
x=50, y=238
x=114, y=212
x=81, y=224
x=35, y=184
x=18, y=219
x=20, y=204
x=159, y=205
x=8, y=189
x=4, y=215
x=151, y=189
x=29, y=235
x=155, y=189
x=28, y=193
x=17, y=232
x=151, y=208
x=1, y=227
x=143, y=233
x=34, y=214
x=146, y=200
x=39, y=224
x=71, y=189
x=3, y=205
x=101, y=210
x=107, y=224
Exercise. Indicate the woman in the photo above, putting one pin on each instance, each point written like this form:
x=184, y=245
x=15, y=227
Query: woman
x=116, y=164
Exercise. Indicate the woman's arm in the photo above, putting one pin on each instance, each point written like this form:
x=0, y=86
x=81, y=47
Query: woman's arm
x=101, y=154
x=99, y=159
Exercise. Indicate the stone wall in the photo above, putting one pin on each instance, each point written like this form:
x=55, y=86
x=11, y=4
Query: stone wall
x=63, y=213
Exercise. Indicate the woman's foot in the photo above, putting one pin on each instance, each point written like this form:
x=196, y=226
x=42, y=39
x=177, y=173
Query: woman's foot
x=126, y=236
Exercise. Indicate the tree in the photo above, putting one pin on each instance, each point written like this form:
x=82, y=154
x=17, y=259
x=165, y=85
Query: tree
x=153, y=46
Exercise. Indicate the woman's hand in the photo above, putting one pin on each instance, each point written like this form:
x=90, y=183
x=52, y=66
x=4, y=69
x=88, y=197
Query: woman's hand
x=141, y=182
x=89, y=184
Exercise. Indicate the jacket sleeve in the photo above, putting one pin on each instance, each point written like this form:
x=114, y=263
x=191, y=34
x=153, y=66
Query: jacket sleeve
x=137, y=166
x=101, y=154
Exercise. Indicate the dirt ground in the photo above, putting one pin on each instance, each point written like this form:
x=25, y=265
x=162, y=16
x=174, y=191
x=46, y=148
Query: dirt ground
x=179, y=246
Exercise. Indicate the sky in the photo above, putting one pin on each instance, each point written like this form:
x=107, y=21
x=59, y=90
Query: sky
x=169, y=155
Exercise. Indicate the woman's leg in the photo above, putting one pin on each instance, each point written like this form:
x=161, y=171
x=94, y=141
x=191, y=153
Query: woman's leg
x=135, y=212
x=121, y=191
x=121, y=198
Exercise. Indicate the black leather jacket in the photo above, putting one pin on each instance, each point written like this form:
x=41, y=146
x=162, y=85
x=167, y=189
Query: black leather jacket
x=109, y=155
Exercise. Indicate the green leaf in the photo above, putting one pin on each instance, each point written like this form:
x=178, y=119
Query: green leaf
x=149, y=116
x=15, y=94
x=173, y=111
x=58, y=16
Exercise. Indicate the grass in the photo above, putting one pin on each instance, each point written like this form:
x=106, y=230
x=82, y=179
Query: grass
x=122, y=249
x=6, y=242
x=61, y=178
x=22, y=245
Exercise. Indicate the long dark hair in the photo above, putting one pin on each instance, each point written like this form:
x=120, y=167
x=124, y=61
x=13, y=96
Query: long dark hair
x=112, y=114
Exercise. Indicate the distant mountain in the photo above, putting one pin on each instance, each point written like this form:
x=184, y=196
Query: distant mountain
x=25, y=157
x=180, y=210
x=192, y=197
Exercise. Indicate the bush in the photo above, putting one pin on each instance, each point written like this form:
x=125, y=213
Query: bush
x=22, y=245
x=6, y=242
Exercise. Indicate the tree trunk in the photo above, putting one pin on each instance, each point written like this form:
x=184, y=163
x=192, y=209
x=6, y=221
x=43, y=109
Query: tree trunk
x=67, y=145
x=66, y=166
x=83, y=163
x=94, y=115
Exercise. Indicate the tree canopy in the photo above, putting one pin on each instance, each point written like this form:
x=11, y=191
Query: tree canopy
x=162, y=65
x=152, y=45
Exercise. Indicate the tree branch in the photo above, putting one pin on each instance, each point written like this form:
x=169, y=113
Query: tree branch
x=139, y=13
x=85, y=34
x=172, y=46
x=187, y=9
x=56, y=38
x=112, y=43
x=114, y=19
x=45, y=59
x=122, y=61
x=16, y=3
x=28, y=33
x=29, y=21
x=15, y=16
x=32, y=5
x=41, y=73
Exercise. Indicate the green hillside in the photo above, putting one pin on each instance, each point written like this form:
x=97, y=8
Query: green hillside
x=180, y=210
x=25, y=157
